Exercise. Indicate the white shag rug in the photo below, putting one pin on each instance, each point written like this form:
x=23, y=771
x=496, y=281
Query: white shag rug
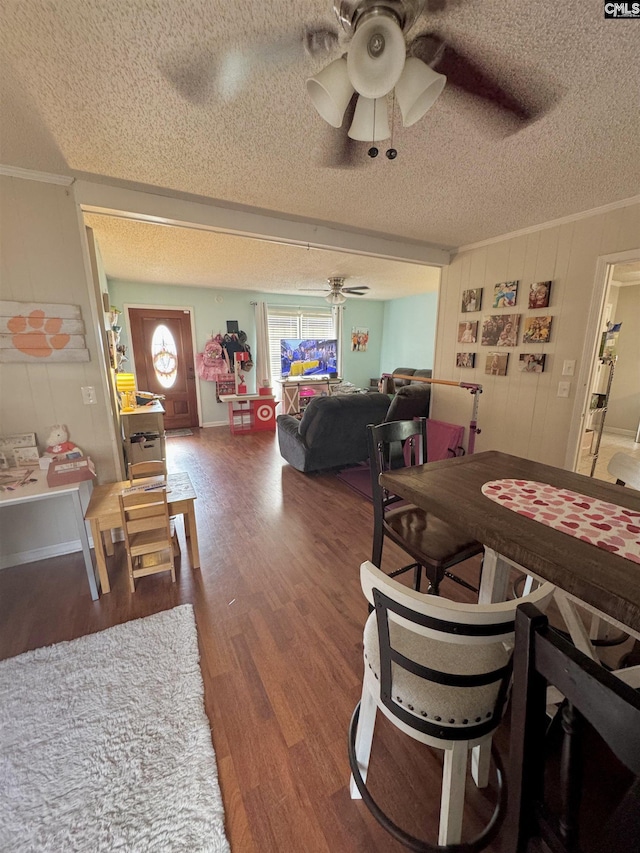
x=105, y=744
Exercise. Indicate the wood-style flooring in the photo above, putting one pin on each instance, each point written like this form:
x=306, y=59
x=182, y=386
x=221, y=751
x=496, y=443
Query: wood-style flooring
x=280, y=615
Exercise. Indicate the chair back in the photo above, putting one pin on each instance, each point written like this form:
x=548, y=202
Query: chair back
x=151, y=468
x=542, y=657
x=393, y=444
x=626, y=470
x=145, y=521
x=448, y=626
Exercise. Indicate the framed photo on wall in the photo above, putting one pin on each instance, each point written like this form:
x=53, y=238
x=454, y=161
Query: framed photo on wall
x=505, y=294
x=471, y=300
x=467, y=332
x=496, y=363
x=539, y=294
x=537, y=330
x=465, y=359
x=531, y=362
x=500, y=330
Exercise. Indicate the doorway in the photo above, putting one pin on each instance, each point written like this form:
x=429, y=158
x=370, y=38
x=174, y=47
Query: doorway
x=162, y=344
x=611, y=418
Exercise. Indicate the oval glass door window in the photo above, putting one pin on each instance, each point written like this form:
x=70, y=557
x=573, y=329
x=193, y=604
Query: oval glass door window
x=164, y=354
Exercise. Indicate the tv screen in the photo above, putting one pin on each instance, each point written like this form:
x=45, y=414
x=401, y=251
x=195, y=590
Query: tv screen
x=308, y=357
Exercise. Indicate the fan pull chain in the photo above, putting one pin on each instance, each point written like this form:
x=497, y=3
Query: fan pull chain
x=391, y=153
x=373, y=151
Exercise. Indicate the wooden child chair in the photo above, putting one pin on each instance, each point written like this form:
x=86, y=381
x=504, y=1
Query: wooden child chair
x=147, y=534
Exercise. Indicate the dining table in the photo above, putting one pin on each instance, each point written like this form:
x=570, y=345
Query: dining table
x=103, y=514
x=579, y=533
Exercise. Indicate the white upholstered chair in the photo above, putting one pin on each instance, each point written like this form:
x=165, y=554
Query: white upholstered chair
x=440, y=671
x=626, y=470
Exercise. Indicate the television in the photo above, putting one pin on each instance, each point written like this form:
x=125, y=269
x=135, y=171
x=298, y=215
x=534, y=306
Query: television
x=308, y=357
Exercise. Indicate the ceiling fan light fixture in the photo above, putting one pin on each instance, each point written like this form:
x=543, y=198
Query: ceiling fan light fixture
x=417, y=90
x=330, y=91
x=370, y=121
x=376, y=56
x=336, y=298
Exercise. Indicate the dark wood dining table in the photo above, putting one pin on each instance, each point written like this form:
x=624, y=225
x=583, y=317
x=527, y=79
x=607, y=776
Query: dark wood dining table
x=607, y=583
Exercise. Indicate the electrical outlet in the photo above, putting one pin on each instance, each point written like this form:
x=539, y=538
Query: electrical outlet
x=568, y=367
x=89, y=395
x=563, y=389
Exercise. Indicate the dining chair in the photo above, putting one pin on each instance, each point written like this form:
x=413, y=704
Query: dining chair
x=147, y=534
x=594, y=700
x=626, y=470
x=433, y=544
x=439, y=671
x=155, y=468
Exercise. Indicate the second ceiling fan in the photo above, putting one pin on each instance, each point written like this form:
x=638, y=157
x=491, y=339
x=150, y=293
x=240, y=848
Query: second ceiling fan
x=336, y=292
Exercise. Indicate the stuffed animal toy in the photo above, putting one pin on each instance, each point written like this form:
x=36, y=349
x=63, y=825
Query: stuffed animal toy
x=59, y=446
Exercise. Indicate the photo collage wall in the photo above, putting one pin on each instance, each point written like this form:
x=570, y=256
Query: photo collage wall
x=506, y=329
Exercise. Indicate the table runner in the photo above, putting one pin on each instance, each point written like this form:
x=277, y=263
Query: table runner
x=605, y=525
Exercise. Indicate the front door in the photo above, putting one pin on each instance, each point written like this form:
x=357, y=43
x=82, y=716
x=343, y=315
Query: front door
x=162, y=347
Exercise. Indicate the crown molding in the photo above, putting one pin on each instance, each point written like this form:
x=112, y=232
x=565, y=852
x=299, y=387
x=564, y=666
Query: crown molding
x=564, y=220
x=31, y=175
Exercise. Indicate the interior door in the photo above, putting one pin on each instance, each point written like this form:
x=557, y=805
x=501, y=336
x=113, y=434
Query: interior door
x=162, y=346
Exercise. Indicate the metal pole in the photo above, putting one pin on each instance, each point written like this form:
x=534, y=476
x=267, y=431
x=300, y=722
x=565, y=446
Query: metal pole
x=611, y=361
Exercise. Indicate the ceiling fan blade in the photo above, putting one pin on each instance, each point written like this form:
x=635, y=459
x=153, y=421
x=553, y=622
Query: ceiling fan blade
x=225, y=73
x=468, y=76
x=355, y=290
x=352, y=292
x=315, y=289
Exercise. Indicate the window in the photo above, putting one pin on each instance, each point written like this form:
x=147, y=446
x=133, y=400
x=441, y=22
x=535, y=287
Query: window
x=164, y=355
x=293, y=323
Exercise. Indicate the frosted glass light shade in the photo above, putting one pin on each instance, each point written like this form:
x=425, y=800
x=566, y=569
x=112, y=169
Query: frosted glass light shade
x=376, y=56
x=330, y=91
x=336, y=298
x=363, y=128
x=417, y=90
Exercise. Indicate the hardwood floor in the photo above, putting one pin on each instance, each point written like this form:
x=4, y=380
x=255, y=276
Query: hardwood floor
x=280, y=616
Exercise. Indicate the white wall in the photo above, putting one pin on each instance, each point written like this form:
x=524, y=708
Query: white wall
x=43, y=259
x=520, y=413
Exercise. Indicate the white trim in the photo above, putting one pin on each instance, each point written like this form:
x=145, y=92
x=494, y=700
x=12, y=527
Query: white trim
x=629, y=433
x=21, y=557
x=564, y=220
x=31, y=175
x=141, y=206
x=215, y=424
x=602, y=278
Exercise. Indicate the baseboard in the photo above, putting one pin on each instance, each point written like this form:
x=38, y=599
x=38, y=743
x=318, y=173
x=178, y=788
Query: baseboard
x=36, y=554
x=615, y=431
x=215, y=424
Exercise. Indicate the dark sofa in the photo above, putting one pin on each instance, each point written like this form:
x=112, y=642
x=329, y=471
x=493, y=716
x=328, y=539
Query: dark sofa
x=332, y=432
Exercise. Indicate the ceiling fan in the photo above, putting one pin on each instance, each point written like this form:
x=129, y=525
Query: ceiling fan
x=375, y=59
x=336, y=293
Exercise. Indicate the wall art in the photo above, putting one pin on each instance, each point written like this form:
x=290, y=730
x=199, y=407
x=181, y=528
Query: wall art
x=537, y=330
x=531, y=362
x=500, y=330
x=467, y=332
x=41, y=333
x=496, y=363
x=465, y=359
x=471, y=300
x=505, y=294
x=539, y=294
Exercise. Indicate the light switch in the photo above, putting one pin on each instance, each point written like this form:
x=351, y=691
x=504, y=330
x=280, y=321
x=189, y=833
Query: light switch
x=563, y=389
x=568, y=367
x=88, y=395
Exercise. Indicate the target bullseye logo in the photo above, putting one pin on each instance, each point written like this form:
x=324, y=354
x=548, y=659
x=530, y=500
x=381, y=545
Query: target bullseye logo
x=264, y=413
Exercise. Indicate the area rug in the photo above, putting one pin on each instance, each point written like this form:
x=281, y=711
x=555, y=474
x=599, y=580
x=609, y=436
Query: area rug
x=357, y=478
x=105, y=744
x=174, y=433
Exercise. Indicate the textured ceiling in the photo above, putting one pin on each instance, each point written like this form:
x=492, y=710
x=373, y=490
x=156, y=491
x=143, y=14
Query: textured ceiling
x=85, y=88
x=139, y=251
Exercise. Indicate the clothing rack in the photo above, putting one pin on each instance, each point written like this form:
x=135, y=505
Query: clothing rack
x=474, y=389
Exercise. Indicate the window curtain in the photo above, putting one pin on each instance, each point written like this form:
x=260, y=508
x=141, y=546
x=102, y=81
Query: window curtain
x=263, y=366
x=338, y=316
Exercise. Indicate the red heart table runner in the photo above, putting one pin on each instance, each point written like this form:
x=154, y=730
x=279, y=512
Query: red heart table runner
x=599, y=523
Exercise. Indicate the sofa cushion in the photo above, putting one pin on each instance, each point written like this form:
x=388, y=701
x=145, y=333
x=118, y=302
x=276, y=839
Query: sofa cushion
x=410, y=401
